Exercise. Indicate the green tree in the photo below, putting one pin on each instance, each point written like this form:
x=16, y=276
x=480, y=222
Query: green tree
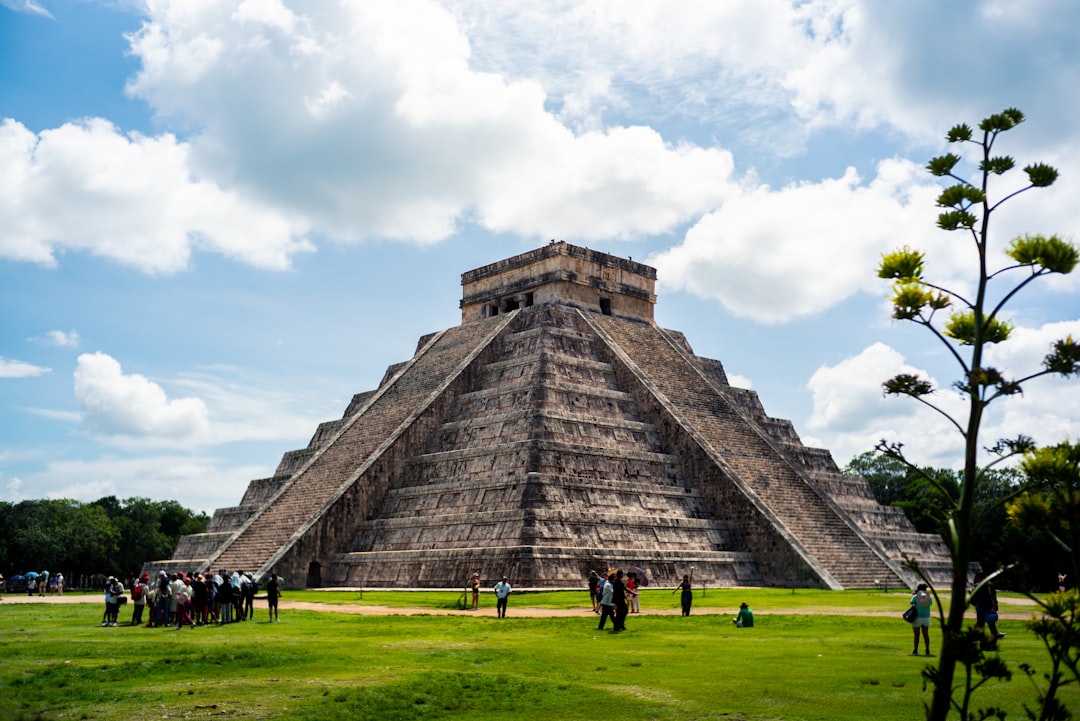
x=1052, y=507
x=972, y=323
x=108, y=536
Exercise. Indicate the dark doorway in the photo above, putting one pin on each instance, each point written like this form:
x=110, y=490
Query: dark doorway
x=314, y=575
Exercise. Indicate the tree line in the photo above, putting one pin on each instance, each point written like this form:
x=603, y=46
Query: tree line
x=105, y=537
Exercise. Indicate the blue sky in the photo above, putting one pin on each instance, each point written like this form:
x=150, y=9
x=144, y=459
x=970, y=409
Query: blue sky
x=219, y=219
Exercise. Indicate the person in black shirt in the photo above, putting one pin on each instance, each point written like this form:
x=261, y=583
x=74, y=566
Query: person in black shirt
x=618, y=596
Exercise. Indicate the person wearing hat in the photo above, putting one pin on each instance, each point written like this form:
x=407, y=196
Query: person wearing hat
x=474, y=584
x=114, y=591
x=745, y=617
x=502, y=591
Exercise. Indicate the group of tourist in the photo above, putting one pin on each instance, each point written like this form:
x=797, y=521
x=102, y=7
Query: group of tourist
x=180, y=599
x=632, y=589
x=983, y=598
x=44, y=584
x=614, y=598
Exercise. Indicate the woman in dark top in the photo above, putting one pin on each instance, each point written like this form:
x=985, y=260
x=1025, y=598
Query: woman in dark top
x=273, y=590
x=687, y=594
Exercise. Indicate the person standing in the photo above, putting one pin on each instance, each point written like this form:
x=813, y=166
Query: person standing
x=923, y=602
x=225, y=599
x=236, y=594
x=273, y=590
x=502, y=592
x=176, y=585
x=114, y=590
x=183, y=604
x=138, y=599
x=632, y=592
x=474, y=584
x=984, y=598
x=687, y=591
x=594, y=591
x=1061, y=583
x=249, y=588
x=161, y=601
x=618, y=596
x=200, y=599
x=607, y=606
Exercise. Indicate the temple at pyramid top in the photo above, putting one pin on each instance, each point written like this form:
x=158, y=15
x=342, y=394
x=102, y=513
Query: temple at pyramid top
x=555, y=431
x=564, y=274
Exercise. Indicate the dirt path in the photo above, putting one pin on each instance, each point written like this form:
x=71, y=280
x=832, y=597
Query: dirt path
x=512, y=611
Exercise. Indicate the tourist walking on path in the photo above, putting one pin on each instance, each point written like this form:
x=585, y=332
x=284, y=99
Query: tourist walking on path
x=607, y=605
x=594, y=591
x=923, y=602
x=745, y=617
x=502, y=591
x=687, y=592
x=632, y=592
x=273, y=591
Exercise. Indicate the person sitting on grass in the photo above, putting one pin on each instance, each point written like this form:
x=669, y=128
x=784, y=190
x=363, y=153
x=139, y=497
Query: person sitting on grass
x=745, y=617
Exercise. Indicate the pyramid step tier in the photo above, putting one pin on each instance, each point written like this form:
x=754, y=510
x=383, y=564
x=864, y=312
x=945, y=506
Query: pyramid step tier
x=545, y=566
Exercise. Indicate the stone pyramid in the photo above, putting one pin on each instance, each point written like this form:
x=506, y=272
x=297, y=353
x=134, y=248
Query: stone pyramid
x=558, y=430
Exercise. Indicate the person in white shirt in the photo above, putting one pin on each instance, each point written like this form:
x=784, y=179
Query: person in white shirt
x=502, y=592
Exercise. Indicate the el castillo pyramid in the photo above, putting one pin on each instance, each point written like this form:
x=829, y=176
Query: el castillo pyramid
x=558, y=430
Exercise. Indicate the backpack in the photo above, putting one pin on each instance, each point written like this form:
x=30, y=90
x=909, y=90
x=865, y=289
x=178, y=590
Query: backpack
x=137, y=592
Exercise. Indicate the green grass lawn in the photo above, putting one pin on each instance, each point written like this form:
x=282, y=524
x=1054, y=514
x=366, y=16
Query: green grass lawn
x=57, y=662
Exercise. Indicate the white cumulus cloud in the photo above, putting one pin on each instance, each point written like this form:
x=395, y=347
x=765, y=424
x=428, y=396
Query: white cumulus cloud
x=850, y=413
x=778, y=254
x=131, y=405
x=370, y=121
x=130, y=198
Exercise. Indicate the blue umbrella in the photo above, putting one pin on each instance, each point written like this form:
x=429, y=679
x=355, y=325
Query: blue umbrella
x=31, y=574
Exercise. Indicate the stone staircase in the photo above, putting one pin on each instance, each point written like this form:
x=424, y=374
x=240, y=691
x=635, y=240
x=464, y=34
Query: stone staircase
x=330, y=468
x=886, y=526
x=829, y=541
x=543, y=471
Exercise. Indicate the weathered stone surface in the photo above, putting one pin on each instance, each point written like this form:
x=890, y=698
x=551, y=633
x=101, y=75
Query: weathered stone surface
x=558, y=430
